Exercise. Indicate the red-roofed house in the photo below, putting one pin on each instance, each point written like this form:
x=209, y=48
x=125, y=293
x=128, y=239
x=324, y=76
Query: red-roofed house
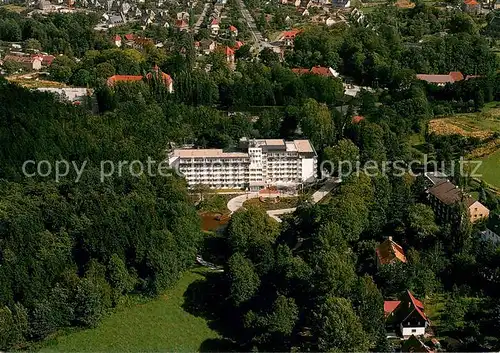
x=129, y=37
x=214, y=26
x=357, y=119
x=238, y=45
x=45, y=59
x=389, y=252
x=29, y=63
x=288, y=37
x=123, y=78
x=118, y=40
x=165, y=78
x=181, y=25
x=407, y=316
x=317, y=70
x=229, y=55
x=471, y=6
x=441, y=80
x=233, y=30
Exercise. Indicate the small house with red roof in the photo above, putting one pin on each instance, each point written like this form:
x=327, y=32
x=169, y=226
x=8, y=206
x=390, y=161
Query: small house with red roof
x=288, y=37
x=155, y=73
x=238, y=45
x=229, y=55
x=406, y=316
x=233, y=31
x=471, y=6
x=357, y=119
x=181, y=25
x=117, y=40
x=441, y=80
x=214, y=26
x=129, y=37
x=389, y=252
x=317, y=70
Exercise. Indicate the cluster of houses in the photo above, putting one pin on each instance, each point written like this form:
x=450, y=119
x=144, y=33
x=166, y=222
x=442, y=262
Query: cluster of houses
x=28, y=62
x=405, y=316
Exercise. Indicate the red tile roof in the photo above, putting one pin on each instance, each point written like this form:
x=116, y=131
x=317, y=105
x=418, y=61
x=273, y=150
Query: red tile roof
x=229, y=51
x=181, y=23
x=316, y=70
x=123, y=78
x=417, y=304
x=389, y=251
x=456, y=75
x=238, y=45
x=471, y=3
x=390, y=306
x=322, y=71
x=118, y=38
x=291, y=34
x=215, y=21
x=453, y=76
x=357, y=119
x=300, y=71
x=233, y=29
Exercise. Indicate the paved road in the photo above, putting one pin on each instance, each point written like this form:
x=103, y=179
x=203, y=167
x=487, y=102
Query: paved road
x=237, y=202
x=198, y=23
x=258, y=37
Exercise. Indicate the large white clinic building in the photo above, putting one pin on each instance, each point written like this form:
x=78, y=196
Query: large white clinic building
x=270, y=162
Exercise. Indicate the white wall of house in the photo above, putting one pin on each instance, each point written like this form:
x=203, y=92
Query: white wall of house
x=308, y=169
x=408, y=331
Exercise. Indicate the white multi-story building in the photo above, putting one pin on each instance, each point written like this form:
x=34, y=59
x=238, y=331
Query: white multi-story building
x=263, y=163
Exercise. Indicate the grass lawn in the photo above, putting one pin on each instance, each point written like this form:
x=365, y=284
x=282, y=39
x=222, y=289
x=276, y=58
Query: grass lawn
x=157, y=325
x=13, y=8
x=490, y=169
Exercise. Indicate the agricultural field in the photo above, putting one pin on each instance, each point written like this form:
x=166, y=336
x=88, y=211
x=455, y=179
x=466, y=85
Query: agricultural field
x=481, y=125
x=160, y=325
x=485, y=126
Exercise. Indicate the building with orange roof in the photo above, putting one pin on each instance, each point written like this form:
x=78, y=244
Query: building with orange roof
x=129, y=36
x=441, y=80
x=155, y=73
x=406, y=316
x=214, y=26
x=357, y=119
x=238, y=45
x=117, y=40
x=233, y=30
x=389, y=252
x=229, y=55
x=471, y=6
x=181, y=25
x=317, y=70
x=288, y=37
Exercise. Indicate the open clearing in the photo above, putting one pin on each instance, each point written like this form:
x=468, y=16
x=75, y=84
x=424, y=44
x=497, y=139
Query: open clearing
x=482, y=125
x=490, y=169
x=157, y=325
x=13, y=8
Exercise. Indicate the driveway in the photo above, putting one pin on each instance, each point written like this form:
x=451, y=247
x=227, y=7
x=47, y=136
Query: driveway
x=237, y=202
